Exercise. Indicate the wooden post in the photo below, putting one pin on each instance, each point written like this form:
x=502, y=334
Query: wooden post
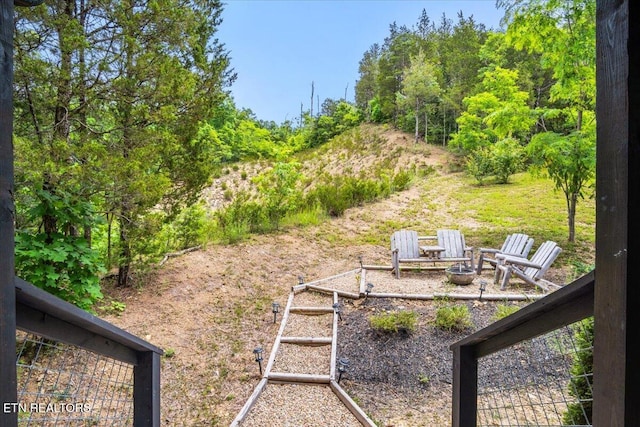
x=465, y=387
x=8, y=385
x=146, y=390
x=616, y=381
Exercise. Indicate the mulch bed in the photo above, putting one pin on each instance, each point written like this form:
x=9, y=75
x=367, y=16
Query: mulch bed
x=403, y=360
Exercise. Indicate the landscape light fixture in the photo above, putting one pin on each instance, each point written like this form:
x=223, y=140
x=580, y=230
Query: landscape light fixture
x=360, y=260
x=275, y=308
x=369, y=287
x=483, y=287
x=258, y=352
x=300, y=279
x=343, y=365
x=337, y=310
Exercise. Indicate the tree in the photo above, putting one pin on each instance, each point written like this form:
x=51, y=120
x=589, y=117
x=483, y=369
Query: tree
x=562, y=32
x=170, y=73
x=570, y=162
x=110, y=102
x=500, y=111
x=419, y=88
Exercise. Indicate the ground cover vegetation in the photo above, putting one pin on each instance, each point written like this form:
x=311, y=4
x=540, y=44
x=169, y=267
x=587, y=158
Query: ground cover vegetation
x=129, y=146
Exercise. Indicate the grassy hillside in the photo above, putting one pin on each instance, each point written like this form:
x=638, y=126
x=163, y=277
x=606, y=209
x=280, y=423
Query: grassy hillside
x=440, y=194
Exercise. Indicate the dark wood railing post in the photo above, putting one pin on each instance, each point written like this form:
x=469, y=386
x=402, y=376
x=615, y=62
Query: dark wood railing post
x=146, y=390
x=465, y=387
x=8, y=393
x=616, y=377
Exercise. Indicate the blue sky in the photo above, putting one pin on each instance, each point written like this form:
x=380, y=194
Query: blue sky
x=278, y=47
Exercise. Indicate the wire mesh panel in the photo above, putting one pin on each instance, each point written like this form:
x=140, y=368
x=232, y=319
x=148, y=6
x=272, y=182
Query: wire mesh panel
x=545, y=381
x=64, y=385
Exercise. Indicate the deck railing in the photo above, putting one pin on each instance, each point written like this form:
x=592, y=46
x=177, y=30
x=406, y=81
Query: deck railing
x=525, y=369
x=77, y=369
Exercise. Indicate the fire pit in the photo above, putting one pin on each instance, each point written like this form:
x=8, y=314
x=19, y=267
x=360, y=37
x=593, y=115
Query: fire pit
x=460, y=274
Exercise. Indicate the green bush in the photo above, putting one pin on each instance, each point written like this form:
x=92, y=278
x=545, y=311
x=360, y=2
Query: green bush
x=502, y=159
x=507, y=159
x=479, y=165
x=190, y=226
x=338, y=193
x=580, y=385
x=241, y=217
x=64, y=266
x=504, y=310
x=402, y=180
x=453, y=318
x=394, y=321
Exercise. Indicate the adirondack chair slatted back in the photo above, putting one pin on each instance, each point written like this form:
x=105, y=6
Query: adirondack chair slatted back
x=406, y=242
x=544, y=256
x=453, y=243
x=517, y=244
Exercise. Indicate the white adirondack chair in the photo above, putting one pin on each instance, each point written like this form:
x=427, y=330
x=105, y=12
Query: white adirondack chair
x=531, y=271
x=406, y=248
x=516, y=244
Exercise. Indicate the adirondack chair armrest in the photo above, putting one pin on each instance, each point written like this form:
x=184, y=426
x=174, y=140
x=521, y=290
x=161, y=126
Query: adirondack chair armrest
x=489, y=250
x=516, y=260
x=509, y=254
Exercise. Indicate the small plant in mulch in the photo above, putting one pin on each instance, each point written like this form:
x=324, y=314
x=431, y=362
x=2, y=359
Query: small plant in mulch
x=394, y=321
x=504, y=310
x=453, y=318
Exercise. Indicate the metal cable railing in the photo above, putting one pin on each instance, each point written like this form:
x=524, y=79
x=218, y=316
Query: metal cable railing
x=74, y=369
x=531, y=368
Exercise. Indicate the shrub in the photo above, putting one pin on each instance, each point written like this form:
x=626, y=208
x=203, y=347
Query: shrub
x=504, y=310
x=241, y=217
x=479, y=164
x=579, y=385
x=394, y=321
x=64, y=266
x=190, y=226
x=453, y=318
x=507, y=158
x=402, y=180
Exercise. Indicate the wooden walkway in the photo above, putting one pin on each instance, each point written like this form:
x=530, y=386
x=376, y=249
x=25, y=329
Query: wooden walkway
x=304, y=351
x=316, y=329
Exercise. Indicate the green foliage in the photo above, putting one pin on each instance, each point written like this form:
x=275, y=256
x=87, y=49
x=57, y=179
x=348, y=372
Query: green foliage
x=64, y=266
x=376, y=111
x=499, y=112
x=502, y=159
x=312, y=215
x=278, y=190
x=570, y=162
x=338, y=193
x=62, y=263
x=114, y=307
x=479, y=164
x=420, y=88
x=394, y=321
x=504, y=310
x=581, y=383
x=341, y=117
x=241, y=217
x=563, y=34
x=507, y=159
x=189, y=228
x=453, y=318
